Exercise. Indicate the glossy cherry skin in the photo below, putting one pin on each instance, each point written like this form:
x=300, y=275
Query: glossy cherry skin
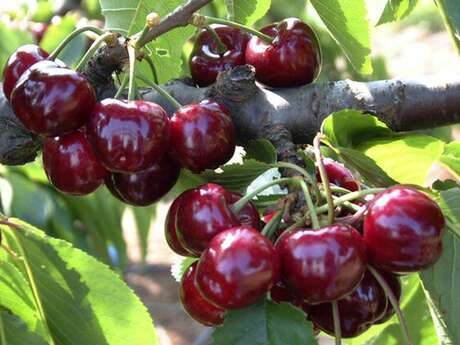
x=23, y=58
x=147, y=186
x=202, y=136
x=205, y=60
x=280, y=293
x=395, y=285
x=129, y=136
x=322, y=265
x=171, y=229
x=358, y=311
x=52, y=100
x=339, y=175
x=238, y=267
x=202, y=214
x=248, y=215
x=293, y=58
x=71, y=164
x=195, y=304
x=403, y=230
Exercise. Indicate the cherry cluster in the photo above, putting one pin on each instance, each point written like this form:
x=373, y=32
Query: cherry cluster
x=131, y=146
x=354, y=262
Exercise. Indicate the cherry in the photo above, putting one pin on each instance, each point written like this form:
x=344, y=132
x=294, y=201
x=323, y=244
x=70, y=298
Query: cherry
x=38, y=30
x=129, y=136
x=195, y=304
x=202, y=214
x=171, y=229
x=202, y=136
x=293, y=58
x=205, y=60
x=52, y=100
x=147, y=186
x=280, y=292
x=248, y=215
x=71, y=165
x=358, y=311
x=339, y=175
x=403, y=230
x=238, y=267
x=395, y=285
x=322, y=265
x=23, y=58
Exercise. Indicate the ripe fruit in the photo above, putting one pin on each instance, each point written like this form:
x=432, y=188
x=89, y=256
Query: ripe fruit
x=395, y=285
x=71, y=165
x=238, y=267
x=52, y=100
x=205, y=60
x=202, y=214
x=339, y=175
x=23, y=58
x=322, y=265
x=128, y=136
x=403, y=230
x=147, y=186
x=358, y=311
x=202, y=136
x=280, y=292
x=195, y=304
x=248, y=215
x=293, y=58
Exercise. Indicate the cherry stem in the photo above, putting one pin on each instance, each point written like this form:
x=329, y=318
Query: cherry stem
x=349, y=197
x=71, y=36
x=122, y=86
x=301, y=170
x=337, y=328
x=238, y=206
x=161, y=91
x=394, y=303
x=152, y=68
x=152, y=20
x=324, y=178
x=311, y=206
x=132, y=72
x=300, y=222
x=221, y=47
x=272, y=225
x=106, y=37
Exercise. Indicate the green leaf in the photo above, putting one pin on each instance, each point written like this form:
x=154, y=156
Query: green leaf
x=15, y=331
x=83, y=301
x=247, y=11
x=237, y=177
x=265, y=323
x=143, y=217
x=128, y=18
x=450, y=10
x=11, y=40
x=178, y=269
x=396, y=10
x=451, y=157
x=261, y=150
x=347, y=21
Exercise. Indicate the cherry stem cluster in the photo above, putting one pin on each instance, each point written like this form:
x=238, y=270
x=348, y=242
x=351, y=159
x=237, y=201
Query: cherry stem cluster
x=272, y=225
x=71, y=36
x=324, y=177
x=106, y=37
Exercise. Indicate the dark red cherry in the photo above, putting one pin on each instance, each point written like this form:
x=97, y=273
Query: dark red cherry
x=147, y=186
x=403, y=230
x=280, y=292
x=358, y=311
x=128, y=136
x=395, y=285
x=322, y=265
x=202, y=214
x=195, y=304
x=205, y=60
x=38, y=30
x=248, y=215
x=202, y=136
x=171, y=229
x=52, y=100
x=293, y=58
x=339, y=175
x=238, y=267
x=71, y=165
x=23, y=58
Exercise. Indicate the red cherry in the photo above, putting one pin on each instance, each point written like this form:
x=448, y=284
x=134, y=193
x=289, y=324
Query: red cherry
x=280, y=292
x=205, y=60
x=129, y=136
x=38, y=30
x=395, y=285
x=23, y=58
x=339, y=175
x=322, y=265
x=293, y=58
x=171, y=228
x=238, y=267
x=248, y=215
x=403, y=230
x=71, y=165
x=358, y=311
x=202, y=214
x=147, y=186
x=52, y=100
x=202, y=136
x=195, y=304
